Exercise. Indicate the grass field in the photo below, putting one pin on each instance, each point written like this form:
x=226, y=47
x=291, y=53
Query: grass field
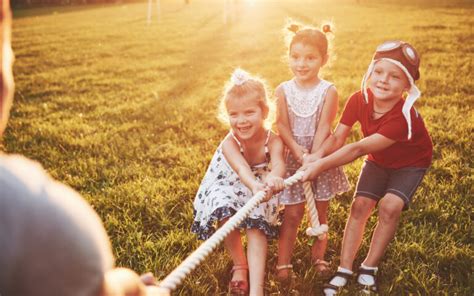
x=124, y=112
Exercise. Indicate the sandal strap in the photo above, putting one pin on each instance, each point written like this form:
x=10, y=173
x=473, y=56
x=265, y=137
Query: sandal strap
x=239, y=287
x=321, y=262
x=347, y=276
x=332, y=287
x=237, y=284
x=369, y=288
x=371, y=272
x=284, y=266
x=335, y=288
x=240, y=267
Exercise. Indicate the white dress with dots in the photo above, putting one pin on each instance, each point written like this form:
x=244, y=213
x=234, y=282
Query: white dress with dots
x=222, y=194
x=304, y=113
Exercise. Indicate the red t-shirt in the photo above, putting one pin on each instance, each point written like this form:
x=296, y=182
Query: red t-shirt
x=416, y=152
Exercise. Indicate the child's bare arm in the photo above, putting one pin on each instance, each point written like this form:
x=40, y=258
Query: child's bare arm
x=274, y=179
x=330, y=144
x=238, y=163
x=346, y=154
x=276, y=154
x=283, y=125
x=328, y=114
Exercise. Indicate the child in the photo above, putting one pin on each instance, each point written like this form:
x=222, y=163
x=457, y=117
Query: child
x=249, y=159
x=307, y=105
x=399, y=153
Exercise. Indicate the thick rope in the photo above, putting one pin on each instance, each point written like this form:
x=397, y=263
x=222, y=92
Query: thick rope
x=179, y=273
x=316, y=228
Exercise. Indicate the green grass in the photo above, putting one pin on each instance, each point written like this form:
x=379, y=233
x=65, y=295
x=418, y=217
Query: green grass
x=124, y=112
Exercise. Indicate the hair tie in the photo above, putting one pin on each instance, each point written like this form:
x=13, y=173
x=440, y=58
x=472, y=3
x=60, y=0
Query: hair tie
x=326, y=28
x=239, y=77
x=294, y=28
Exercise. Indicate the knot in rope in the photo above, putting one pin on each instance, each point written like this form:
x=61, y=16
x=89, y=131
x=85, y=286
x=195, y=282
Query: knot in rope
x=319, y=231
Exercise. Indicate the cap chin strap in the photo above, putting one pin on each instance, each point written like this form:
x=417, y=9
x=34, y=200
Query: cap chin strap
x=413, y=93
x=363, y=85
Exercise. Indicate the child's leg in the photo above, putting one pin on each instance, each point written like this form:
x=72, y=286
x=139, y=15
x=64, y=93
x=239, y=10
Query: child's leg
x=360, y=212
x=401, y=187
x=400, y=190
x=233, y=244
x=288, y=230
x=390, y=209
x=257, y=256
x=318, y=250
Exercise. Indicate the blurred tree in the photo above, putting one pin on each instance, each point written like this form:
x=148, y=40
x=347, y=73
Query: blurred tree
x=32, y=3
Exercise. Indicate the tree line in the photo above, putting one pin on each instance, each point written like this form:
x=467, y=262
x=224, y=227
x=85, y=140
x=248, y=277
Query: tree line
x=33, y=3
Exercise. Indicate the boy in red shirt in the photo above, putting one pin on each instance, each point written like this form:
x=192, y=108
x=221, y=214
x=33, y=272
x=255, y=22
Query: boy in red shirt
x=399, y=152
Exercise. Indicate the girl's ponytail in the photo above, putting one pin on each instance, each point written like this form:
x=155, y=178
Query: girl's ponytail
x=293, y=28
x=313, y=36
x=326, y=28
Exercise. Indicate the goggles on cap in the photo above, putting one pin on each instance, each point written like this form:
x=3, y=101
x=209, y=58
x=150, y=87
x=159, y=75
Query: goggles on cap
x=408, y=51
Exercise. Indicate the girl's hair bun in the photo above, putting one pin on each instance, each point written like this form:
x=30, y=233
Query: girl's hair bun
x=294, y=28
x=239, y=77
x=326, y=28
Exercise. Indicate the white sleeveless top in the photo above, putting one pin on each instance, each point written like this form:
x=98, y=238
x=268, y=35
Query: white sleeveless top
x=305, y=106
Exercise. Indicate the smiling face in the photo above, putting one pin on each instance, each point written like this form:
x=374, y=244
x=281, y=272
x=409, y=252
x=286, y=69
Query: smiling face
x=246, y=116
x=387, y=81
x=305, y=61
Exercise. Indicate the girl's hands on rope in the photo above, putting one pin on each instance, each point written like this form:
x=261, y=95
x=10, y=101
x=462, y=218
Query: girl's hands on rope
x=274, y=184
x=262, y=187
x=299, y=152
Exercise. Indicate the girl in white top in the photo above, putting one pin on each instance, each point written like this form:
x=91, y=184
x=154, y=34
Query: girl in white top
x=307, y=105
x=248, y=160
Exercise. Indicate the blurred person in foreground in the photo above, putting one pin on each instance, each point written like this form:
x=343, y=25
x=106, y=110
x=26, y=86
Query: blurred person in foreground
x=51, y=240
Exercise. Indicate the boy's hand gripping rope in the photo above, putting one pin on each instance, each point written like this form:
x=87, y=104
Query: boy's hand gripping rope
x=179, y=273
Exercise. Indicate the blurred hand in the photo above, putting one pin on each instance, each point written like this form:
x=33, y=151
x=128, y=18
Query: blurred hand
x=123, y=282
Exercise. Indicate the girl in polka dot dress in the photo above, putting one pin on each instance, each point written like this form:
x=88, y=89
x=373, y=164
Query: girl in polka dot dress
x=307, y=105
x=249, y=159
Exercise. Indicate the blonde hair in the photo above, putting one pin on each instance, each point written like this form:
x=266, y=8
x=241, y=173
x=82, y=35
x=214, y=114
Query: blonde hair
x=243, y=84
